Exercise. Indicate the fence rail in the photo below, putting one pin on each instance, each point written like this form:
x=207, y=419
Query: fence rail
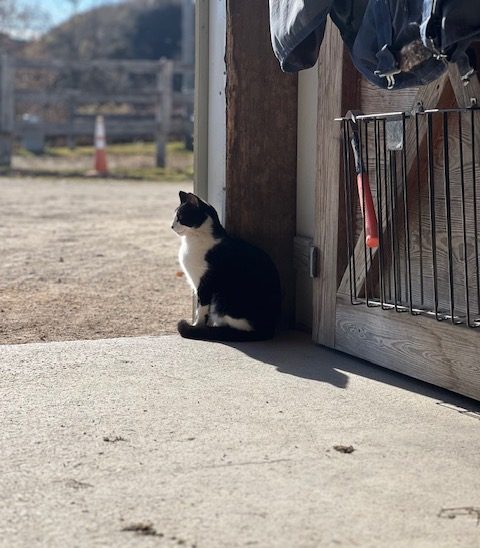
x=29, y=87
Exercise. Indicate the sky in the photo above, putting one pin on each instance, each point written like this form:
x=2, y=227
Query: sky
x=59, y=10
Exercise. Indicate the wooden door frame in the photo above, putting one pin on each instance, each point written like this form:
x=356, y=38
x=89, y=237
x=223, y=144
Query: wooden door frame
x=261, y=148
x=435, y=352
x=338, y=90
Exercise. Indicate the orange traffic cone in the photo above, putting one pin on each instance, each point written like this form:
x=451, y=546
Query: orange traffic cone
x=100, y=147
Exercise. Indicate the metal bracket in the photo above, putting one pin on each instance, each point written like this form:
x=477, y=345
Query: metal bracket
x=313, y=261
x=394, y=134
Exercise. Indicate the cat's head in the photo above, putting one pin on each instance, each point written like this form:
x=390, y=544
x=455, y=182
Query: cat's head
x=195, y=215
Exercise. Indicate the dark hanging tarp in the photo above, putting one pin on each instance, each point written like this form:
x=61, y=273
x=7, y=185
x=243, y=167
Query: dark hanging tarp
x=393, y=43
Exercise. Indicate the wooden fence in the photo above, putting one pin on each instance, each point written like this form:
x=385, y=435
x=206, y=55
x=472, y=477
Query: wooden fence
x=46, y=99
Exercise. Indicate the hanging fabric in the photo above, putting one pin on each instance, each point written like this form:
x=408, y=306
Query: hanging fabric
x=393, y=43
x=297, y=28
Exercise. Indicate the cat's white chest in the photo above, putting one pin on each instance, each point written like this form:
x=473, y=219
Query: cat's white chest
x=192, y=259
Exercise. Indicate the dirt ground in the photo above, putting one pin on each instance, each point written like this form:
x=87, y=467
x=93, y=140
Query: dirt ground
x=125, y=161
x=88, y=259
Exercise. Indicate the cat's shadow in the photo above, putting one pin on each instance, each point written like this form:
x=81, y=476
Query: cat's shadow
x=292, y=353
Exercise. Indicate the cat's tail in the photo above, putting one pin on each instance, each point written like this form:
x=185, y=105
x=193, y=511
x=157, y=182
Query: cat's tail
x=221, y=334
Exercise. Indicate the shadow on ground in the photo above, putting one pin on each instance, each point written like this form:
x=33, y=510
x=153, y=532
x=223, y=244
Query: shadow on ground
x=293, y=354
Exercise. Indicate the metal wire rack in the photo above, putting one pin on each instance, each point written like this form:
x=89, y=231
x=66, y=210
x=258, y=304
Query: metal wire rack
x=423, y=168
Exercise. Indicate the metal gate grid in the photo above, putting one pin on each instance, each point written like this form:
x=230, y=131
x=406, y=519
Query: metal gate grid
x=423, y=203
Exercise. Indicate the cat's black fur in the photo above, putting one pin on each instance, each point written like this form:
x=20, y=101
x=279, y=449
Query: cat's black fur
x=235, y=282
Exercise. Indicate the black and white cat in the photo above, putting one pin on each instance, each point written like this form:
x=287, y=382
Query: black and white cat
x=236, y=284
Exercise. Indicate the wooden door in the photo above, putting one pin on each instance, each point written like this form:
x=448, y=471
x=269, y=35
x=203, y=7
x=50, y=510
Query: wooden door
x=437, y=352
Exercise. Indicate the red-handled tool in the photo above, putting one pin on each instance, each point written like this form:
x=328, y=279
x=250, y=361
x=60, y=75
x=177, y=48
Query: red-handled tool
x=364, y=191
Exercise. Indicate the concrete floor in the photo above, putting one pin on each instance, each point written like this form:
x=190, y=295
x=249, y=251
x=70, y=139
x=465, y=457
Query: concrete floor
x=209, y=445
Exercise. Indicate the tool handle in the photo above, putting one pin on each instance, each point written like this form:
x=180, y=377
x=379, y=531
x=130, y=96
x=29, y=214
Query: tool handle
x=371, y=226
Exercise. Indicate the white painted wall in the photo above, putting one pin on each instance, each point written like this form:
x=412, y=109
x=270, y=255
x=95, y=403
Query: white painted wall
x=306, y=172
x=217, y=122
x=306, y=150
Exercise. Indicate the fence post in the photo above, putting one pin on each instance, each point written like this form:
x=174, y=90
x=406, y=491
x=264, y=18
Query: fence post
x=72, y=107
x=7, y=108
x=188, y=32
x=163, y=109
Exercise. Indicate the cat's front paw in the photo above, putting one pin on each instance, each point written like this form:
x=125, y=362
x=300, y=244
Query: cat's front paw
x=184, y=327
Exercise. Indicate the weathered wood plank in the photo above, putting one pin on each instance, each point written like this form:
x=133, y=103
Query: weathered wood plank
x=142, y=97
x=46, y=97
x=144, y=129
x=375, y=99
x=163, y=112
x=86, y=127
x=158, y=101
x=154, y=95
x=338, y=91
x=423, y=348
x=133, y=66
x=467, y=94
x=7, y=108
x=7, y=86
x=261, y=146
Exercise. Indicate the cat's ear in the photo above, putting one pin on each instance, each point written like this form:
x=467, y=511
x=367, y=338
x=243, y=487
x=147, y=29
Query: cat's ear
x=183, y=196
x=193, y=200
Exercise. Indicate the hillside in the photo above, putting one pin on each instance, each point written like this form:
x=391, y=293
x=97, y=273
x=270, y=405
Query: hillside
x=135, y=29
x=11, y=45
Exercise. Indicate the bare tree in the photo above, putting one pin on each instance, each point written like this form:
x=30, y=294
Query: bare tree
x=22, y=20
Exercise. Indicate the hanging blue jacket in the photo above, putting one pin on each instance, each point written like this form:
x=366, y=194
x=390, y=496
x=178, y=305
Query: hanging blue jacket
x=393, y=43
